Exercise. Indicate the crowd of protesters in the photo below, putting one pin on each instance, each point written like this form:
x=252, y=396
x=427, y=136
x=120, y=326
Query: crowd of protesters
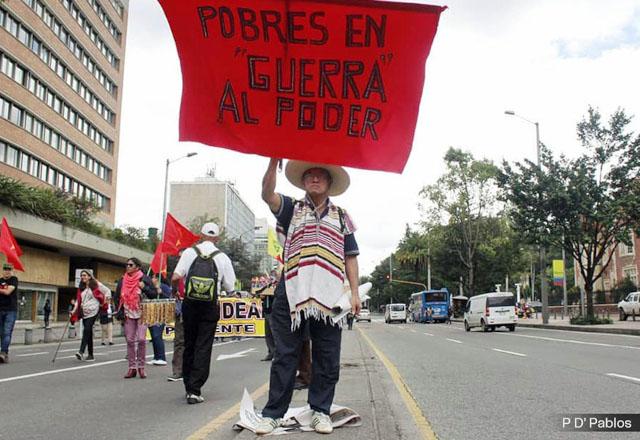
x=298, y=330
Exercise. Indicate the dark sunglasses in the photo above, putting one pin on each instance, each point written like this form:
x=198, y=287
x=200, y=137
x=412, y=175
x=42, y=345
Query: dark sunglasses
x=131, y=265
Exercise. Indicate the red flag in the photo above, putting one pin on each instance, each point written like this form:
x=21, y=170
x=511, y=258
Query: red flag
x=176, y=236
x=326, y=81
x=9, y=246
x=159, y=261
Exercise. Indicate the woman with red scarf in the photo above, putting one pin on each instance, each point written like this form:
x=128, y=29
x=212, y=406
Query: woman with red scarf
x=89, y=300
x=132, y=287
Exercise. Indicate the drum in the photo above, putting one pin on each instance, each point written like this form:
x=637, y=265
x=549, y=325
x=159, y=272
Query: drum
x=158, y=311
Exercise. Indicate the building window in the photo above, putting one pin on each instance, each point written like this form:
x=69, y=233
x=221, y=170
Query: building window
x=625, y=249
x=631, y=273
x=42, y=131
x=59, y=68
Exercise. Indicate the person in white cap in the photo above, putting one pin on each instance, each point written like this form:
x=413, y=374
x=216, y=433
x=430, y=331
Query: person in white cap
x=320, y=250
x=207, y=272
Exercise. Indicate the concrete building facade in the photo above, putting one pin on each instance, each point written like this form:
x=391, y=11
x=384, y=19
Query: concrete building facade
x=52, y=256
x=61, y=73
x=210, y=198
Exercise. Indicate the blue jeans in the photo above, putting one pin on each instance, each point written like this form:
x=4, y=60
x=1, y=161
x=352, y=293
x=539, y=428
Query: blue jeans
x=7, y=321
x=157, y=342
x=325, y=353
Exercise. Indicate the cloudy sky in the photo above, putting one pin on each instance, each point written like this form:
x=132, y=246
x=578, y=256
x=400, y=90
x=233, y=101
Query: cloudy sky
x=547, y=60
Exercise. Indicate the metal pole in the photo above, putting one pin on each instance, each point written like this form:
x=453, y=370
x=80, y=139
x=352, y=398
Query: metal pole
x=533, y=278
x=429, y=268
x=166, y=184
x=391, y=275
x=543, y=281
x=564, y=281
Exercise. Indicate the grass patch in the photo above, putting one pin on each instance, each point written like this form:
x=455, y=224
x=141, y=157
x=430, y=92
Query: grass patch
x=590, y=320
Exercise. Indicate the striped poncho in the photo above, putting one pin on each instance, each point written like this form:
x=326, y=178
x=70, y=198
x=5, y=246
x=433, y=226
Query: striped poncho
x=314, y=260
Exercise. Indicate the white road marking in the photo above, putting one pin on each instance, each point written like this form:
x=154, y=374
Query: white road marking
x=413, y=331
x=428, y=334
x=577, y=332
x=454, y=340
x=239, y=354
x=509, y=352
x=621, y=376
x=33, y=354
x=64, y=370
x=570, y=341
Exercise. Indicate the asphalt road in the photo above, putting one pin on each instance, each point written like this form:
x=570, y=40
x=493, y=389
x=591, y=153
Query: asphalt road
x=501, y=385
x=472, y=385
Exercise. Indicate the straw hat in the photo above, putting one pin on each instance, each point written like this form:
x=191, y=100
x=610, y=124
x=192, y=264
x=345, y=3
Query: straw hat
x=295, y=169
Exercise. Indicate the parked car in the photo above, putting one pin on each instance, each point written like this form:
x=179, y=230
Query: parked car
x=363, y=316
x=629, y=306
x=491, y=310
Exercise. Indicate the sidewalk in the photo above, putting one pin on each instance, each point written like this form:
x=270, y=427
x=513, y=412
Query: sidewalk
x=628, y=327
x=57, y=328
x=366, y=387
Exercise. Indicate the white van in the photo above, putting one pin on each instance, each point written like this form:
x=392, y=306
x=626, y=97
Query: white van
x=395, y=312
x=491, y=310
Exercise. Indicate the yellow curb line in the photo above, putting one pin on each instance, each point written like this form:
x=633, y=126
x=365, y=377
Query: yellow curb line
x=412, y=405
x=223, y=418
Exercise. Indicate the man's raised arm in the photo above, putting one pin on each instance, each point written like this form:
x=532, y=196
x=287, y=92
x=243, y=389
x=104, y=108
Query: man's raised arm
x=269, y=186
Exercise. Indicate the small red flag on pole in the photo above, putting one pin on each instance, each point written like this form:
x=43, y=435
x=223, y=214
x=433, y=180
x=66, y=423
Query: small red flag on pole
x=9, y=246
x=176, y=237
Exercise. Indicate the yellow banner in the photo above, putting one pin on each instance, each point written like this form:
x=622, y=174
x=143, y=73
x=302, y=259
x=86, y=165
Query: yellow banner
x=168, y=334
x=240, y=317
x=558, y=269
x=273, y=245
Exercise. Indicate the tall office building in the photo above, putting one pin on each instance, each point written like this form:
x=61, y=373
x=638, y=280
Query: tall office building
x=61, y=64
x=267, y=262
x=210, y=198
x=61, y=73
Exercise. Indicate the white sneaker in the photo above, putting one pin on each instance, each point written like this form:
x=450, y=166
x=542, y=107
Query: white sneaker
x=194, y=398
x=159, y=362
x=321, y=423
x=266, y=425
x=151, y=362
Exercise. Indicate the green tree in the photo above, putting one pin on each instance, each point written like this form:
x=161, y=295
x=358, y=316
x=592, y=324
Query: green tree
x=245, y=265
x=588, y=204
x=461, y=198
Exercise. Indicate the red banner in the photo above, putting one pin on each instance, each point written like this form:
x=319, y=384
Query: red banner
x=326, y=81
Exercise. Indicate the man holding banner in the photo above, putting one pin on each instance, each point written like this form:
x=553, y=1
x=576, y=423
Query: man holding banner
x=326, y=82
x=319, y=250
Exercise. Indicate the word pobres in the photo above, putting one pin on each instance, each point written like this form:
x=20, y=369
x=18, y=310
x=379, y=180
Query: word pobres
x=292, y=27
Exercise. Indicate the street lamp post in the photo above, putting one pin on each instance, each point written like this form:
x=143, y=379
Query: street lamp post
x=166, y=185
x=543, y=284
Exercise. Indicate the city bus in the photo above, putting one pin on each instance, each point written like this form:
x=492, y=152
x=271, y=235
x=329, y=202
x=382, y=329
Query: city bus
x=438, y=300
